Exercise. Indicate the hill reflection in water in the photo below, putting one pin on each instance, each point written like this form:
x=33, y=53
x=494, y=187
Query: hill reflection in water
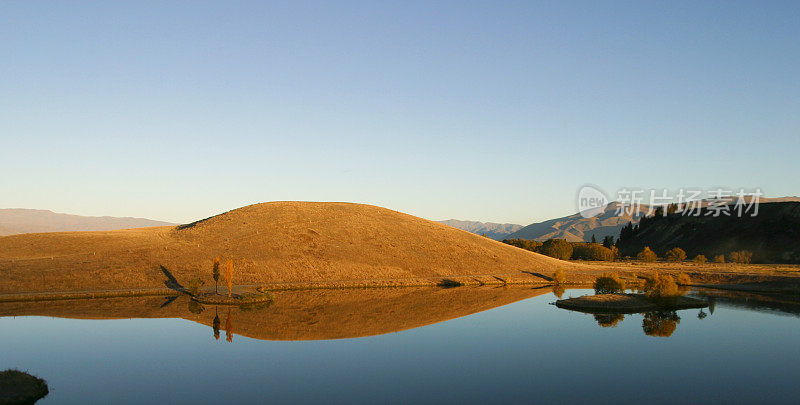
x=297, y=315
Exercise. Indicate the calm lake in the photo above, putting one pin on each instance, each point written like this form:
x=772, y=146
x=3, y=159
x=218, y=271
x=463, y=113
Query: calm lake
x=443, y=346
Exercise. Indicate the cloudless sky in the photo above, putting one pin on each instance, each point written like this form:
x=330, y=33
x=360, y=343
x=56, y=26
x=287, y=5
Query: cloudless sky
x=493, y=111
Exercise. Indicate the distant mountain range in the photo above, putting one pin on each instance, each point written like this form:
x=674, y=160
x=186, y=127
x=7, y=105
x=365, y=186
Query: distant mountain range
x=575, y=228
x=17, y=220
x=492, y=230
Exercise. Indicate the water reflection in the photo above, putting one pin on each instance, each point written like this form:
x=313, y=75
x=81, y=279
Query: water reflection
x=660, y=323
x=656, y=323
x=338, y=314
x=215, y=324
x=298, y=315
x=608, y=320
x=558, y=290
x=664, y=322
x=229, y=326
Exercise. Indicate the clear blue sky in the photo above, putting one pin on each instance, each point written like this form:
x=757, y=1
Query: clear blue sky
x=494, y=111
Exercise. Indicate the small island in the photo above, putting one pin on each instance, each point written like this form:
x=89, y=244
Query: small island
x=660, y=292
x=19, y=387
x=626, y=303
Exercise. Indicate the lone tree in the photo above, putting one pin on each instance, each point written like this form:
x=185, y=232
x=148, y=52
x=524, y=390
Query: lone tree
x=559, y=277
x=608, y=241
x=215, y=274
x=229, y=276
x=647, y=255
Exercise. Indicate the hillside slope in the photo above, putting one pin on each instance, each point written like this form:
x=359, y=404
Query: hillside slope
x=490, y=229
x=773, y=235
x=15, y=221
x=576, y=228
x=277, y=242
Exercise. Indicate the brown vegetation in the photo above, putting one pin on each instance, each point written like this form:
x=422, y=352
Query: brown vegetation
x=647, y=255
x=661, y=286
x=675, y=255
x=609, y=283
x=229, y=276
x=559, y=277
x=741, y=256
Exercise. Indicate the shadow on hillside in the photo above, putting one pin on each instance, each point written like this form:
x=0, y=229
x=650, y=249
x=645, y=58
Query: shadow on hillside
x=540, y=275
x=171, y=281
x=448, y=283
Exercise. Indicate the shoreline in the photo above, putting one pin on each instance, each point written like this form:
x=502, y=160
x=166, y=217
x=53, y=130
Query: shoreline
x=760, y=283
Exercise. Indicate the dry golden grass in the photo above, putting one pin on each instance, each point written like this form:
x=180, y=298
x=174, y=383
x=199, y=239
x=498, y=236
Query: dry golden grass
x=278, y=242
x=784, y=278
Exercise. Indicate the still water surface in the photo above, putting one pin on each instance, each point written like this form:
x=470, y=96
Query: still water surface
x=520, y=352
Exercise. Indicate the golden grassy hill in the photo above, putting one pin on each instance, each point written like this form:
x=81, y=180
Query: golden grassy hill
x=276, y=242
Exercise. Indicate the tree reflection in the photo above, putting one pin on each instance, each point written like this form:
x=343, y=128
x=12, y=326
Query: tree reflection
x=215, y=324
x=608, y=320
x=558, y=290
x=660, y=323
x=196, y=307
x=229, y=327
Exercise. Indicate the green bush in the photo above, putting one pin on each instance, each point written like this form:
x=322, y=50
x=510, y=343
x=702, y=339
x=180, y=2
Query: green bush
x=700, y=259
x=676, y=255
x=684, y=279
x=609, y=283
x=558, y=248
x=719, y=259
x=647, y=255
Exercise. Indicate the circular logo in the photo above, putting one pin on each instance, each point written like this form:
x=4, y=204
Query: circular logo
x=591, y=201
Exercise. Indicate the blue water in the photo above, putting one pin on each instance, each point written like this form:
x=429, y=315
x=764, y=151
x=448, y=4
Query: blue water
x=522, y=352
